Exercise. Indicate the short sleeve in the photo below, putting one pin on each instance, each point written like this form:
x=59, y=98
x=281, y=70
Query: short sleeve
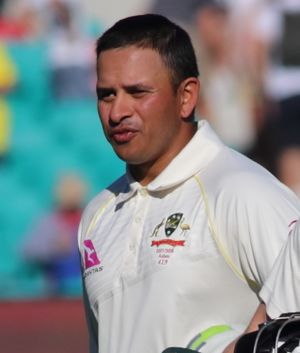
x=281, y=292
x=253, y=218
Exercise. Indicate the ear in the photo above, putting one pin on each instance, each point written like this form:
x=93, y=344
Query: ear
x=189, y=90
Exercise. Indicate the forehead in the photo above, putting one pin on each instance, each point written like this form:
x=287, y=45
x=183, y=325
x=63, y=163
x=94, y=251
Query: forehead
x=129, y=64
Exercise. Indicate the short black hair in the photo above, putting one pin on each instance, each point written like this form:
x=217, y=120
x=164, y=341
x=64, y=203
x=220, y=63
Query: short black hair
x=158, y=33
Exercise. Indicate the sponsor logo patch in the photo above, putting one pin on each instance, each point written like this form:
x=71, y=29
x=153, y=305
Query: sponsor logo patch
x=91, y=258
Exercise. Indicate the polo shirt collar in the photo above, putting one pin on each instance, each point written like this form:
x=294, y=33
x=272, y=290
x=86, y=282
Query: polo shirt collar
x=193, y=158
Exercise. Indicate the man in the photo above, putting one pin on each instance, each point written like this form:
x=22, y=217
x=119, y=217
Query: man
x=51, y=243
x=175, y=251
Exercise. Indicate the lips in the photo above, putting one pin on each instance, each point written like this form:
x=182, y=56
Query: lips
x=122, y=135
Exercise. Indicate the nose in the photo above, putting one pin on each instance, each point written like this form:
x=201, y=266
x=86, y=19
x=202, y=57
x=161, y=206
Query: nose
x=120, y=109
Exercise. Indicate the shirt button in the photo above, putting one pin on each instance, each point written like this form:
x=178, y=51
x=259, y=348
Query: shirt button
x=137, y=219
x=132, y=247
x=143, y=192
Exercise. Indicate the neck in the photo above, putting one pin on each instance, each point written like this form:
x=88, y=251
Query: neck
x=147, y=172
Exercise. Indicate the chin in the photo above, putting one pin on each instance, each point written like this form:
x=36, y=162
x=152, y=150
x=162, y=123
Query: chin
x=131, y=161
x=129, y=158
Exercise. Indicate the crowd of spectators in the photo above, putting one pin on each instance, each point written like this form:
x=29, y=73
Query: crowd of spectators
x=249, y=59
x=51, y=242
x=47, y=130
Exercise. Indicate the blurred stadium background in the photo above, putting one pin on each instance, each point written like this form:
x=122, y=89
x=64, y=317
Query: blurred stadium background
x=49, y=125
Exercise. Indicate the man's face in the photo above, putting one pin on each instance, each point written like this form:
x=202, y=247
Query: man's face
x=138, y=108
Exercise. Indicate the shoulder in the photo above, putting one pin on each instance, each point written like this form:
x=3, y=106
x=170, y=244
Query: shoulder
x=243, y=194
x=250, y=210
x=235, y=177
x=100, y=201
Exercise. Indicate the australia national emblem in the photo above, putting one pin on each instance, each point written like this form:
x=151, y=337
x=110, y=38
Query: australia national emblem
x=172, y=223
x=170, y=233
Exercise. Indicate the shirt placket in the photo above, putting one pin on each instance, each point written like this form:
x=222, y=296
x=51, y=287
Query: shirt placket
x=130, y=264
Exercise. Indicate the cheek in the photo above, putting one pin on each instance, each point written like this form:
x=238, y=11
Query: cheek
x=103, y=114
x=103, y=118
x=159, y=110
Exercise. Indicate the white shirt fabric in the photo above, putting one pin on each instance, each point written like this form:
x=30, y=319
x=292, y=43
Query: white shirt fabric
x=281, y=292
x=189, y=251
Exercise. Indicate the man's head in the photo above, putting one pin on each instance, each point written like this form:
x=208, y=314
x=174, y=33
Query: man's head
x=158, y=33
x=147, y=88
x=70, y=192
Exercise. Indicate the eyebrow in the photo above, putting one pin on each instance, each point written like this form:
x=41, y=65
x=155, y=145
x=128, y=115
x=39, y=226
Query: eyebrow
x=138, y=87
x=128, y=88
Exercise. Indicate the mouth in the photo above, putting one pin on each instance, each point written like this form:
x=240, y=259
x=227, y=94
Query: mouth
x=121, y=136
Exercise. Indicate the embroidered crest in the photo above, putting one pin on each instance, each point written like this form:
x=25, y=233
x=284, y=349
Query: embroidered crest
x=172, y=223
x=167, y=235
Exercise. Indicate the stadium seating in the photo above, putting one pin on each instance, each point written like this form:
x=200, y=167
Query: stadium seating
x=49, y=137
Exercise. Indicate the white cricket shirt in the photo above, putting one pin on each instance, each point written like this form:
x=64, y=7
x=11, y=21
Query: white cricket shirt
x=164, y=262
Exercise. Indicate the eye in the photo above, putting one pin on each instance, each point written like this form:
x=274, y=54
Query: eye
x=105, y=95
x=137, y=92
